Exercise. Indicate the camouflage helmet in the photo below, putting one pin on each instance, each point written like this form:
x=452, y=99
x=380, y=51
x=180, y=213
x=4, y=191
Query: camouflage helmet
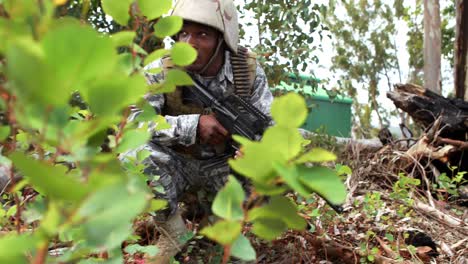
x=219, y=14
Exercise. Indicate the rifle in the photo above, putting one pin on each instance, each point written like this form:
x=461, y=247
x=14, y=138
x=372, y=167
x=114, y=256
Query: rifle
x=233, y=112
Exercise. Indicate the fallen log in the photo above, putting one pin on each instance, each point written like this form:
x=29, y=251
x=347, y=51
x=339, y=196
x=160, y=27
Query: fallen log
x=425, y=106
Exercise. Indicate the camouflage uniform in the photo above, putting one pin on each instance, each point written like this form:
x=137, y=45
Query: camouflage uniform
x=179, y=173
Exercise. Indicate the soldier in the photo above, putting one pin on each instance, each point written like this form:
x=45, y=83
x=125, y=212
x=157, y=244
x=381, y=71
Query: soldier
x=193, y=153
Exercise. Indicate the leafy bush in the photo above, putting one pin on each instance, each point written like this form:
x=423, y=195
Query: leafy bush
x=72, y=191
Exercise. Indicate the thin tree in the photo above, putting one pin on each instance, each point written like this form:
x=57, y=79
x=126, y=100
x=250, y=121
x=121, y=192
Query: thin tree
x=461, y=51
x=432, y=45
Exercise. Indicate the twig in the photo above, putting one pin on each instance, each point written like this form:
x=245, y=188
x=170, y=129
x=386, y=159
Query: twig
x=163, y=231
x=456, y=245
x=462, y=145
x=227, y=253
x=5, y=187
x=446, y=249
x=41, y=254
x=432, y=211
x=386, y=248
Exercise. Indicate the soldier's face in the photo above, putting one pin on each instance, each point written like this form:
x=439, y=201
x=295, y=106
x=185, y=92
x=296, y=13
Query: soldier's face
x=202, y=38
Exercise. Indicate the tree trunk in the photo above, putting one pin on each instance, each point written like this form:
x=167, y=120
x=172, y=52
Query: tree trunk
x=432, y=45
x=461, y=51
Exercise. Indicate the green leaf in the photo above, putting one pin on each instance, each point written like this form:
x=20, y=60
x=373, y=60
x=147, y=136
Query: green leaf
x=133, y=139
x=316, y=155
x=280, y=208
x=118, y=10
x=324, y=182
x=270, y=188
x=183, y=54
x=291, y=176
x=343, y=169
x=135, y=248
x=257, y=162
x=4, y=132
x=51, y=220
x=241, y=140
x=127, y=63
x=157, y=204
x=14, y=248
x=21, y=9
x=10, y=31
x=161, y=123
x=178, y=78
x=268, y=228
x=160, y=88
x=286, y=142
x=49, y=180
x=145, y=113
x=26, y=58
x=223, y=232
x=76, y=54
x=243, y=250
x=168, y=26
x=228, y=202
x=156, y=55
x=107, y=226
x=123, y=38
x=107, y=97
x=139, y=49
x=289, y=110
x=154, y=8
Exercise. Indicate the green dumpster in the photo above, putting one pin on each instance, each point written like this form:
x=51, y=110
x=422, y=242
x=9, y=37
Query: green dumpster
x=331, y=115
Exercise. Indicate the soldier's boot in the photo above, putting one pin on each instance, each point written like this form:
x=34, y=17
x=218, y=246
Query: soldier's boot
x=169, y=242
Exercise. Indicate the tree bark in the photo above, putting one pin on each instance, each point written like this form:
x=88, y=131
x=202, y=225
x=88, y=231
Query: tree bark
x=461, y=51
x=432, y=46
x=425, y=106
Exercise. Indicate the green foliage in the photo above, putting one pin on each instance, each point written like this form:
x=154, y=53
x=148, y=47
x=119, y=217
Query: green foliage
x=154, y=9
x=365, y=53
x=83, y=195
x=168, y=26
x=242, y=249
x=224, y=232
x=50, y=181
x=402, y=190
x=183, y=54
x=372, y=203
x=88, y=192
x=414, y=19
x=150, y=250
x=228, y=201
x=450, y=184
x=288, y=34
x=275, y=164
x=117, y=9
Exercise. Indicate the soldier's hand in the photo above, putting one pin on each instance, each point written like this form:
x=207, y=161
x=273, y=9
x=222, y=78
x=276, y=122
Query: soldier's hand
x=239, y=154
x=211, y=131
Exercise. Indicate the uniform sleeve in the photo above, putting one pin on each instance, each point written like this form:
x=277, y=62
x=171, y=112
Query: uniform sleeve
x=261, y=96
x=183, y=129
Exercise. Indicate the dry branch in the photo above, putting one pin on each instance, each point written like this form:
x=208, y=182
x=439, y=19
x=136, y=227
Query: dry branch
x=443, y=217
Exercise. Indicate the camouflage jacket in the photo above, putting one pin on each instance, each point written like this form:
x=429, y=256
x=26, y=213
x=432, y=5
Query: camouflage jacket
x=183, y=129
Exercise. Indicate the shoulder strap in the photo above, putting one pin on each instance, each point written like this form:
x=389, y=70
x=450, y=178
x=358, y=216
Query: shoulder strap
x=244, y=68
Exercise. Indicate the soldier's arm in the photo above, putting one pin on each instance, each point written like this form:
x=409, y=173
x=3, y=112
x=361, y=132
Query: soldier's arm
x=183, y=129
x=261, y=95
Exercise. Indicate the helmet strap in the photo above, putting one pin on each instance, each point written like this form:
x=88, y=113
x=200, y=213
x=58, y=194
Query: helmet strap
x=213, y=57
